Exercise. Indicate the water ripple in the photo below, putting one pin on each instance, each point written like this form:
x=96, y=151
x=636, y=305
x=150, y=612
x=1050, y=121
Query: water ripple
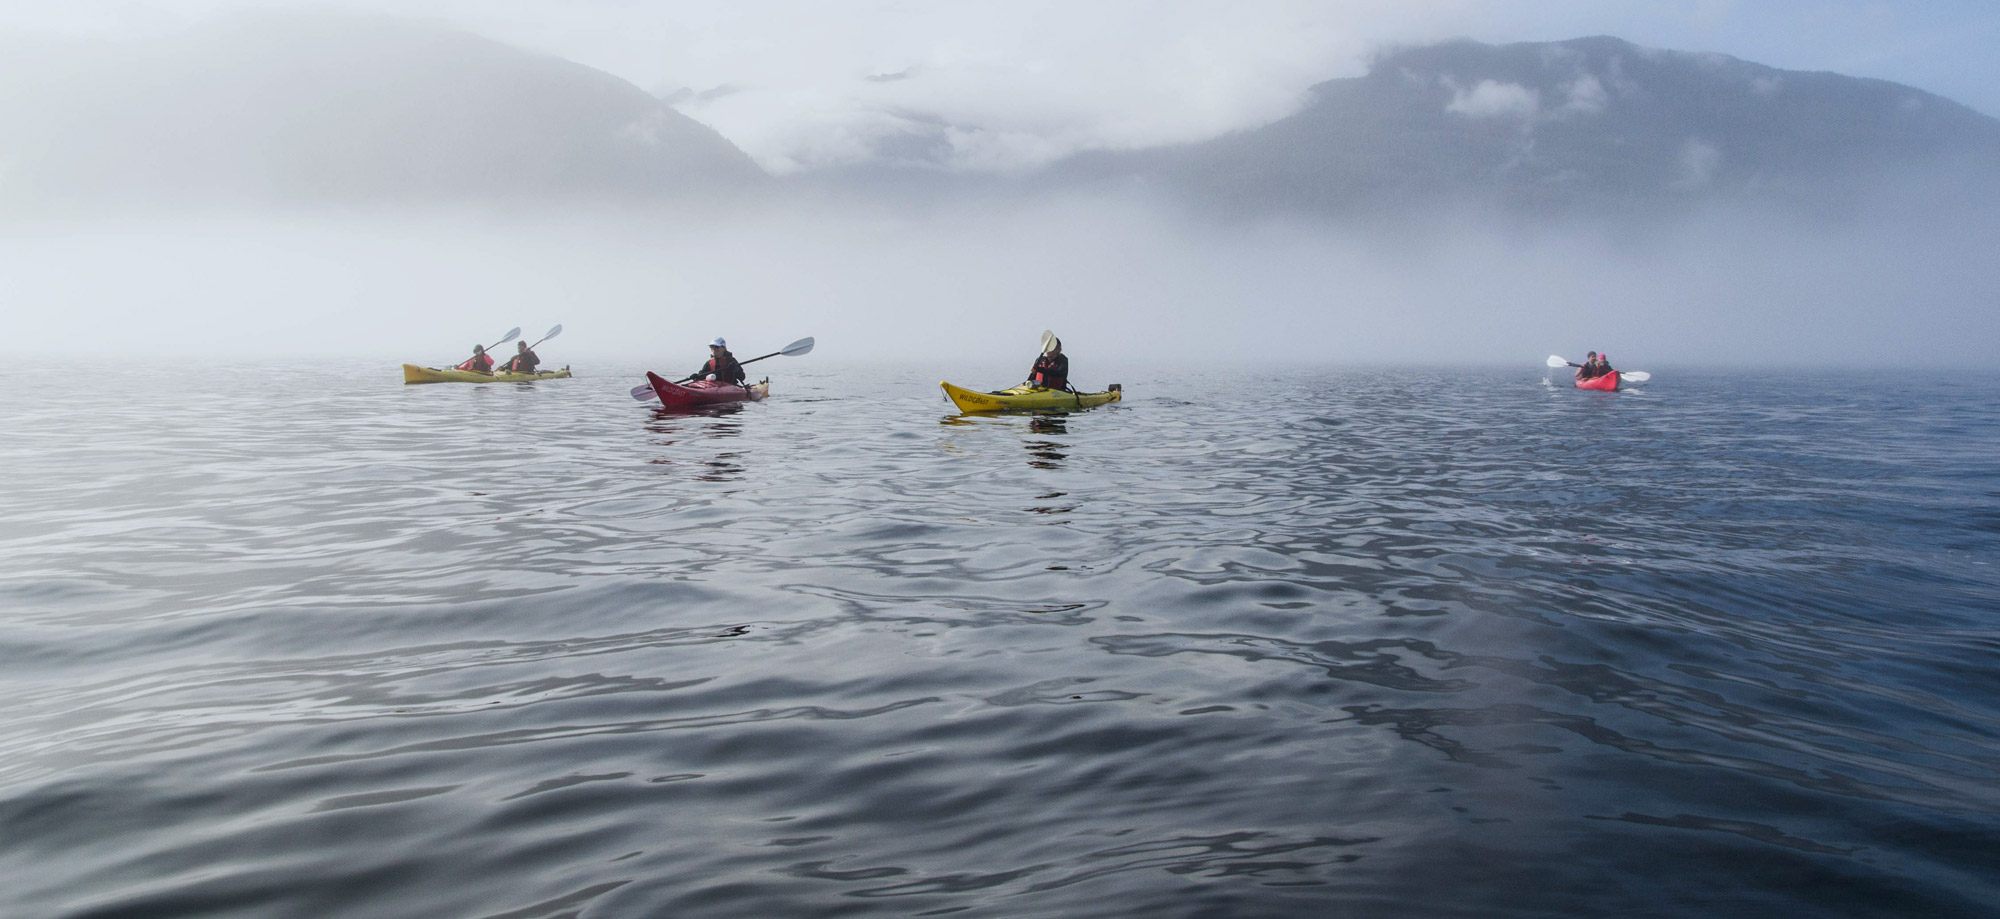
x=1463, y=645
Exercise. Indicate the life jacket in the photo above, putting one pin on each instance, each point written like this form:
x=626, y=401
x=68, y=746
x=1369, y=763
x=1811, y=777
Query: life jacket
x=1051, y=371
x=725, y=368
x=479, y=362
x=524, y=362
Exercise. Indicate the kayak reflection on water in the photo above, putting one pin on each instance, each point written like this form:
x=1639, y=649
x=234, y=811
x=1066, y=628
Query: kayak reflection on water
x=1047, y=454
x=1042, y=454
x=1052, y=509
x=688, y=428
x=691, y=421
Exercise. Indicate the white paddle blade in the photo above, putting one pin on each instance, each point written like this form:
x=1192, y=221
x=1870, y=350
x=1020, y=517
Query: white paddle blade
x=516, y=333
x=553, y=332
x=642, y=393
x=799, y=347
x=1634, y=376
x=1048, y=341
x=1555, y=361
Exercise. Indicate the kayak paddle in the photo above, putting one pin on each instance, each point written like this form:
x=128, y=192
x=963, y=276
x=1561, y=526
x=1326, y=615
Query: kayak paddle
x=1048, y=340
x=1629, y=376
x=512, y=334
x=803, y=345
x=552, y=333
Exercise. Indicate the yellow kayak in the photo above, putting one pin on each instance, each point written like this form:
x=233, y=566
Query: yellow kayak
x=415, y=374
x=1028, y=399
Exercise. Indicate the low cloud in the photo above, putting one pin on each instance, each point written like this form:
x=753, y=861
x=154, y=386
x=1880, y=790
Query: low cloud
x=1493, y=99
x=1585, y=95
x=1700, y=161
x=688, y=95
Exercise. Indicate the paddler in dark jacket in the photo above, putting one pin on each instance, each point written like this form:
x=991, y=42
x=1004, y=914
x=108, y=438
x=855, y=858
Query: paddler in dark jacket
x=479, y=362
x=722, y=366
x=524, y=360
x=1051, y=370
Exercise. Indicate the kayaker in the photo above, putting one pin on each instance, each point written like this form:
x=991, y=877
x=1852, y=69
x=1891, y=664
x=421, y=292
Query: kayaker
x=1051, y=370
x=524, y=360
x=722, y=366
x=479, y=362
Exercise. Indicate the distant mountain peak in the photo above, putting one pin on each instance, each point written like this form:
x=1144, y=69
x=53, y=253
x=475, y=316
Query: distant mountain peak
x=1594, y=123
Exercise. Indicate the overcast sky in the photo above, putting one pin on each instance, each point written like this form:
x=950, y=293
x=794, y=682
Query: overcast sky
x=806, y=83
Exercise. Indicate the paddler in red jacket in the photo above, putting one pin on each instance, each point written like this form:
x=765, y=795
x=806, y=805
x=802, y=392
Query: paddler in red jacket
x=1051, y=370
x=479, y=362
x=722, y=366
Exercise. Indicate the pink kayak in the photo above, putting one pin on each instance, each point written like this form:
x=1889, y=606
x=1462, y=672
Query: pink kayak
x=704, y=392
x=1605, y=383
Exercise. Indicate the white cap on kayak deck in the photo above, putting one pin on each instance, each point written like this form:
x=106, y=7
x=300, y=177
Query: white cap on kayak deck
x=718, y=343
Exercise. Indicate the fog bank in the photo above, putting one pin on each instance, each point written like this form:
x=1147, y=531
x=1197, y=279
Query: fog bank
x=1121, y=280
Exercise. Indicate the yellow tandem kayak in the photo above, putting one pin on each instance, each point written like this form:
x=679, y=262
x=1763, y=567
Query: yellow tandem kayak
x=1028, y=399
x=415, y=374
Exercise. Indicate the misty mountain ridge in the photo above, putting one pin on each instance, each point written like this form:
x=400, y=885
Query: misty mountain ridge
x=314, y=109
x=338, y=109
x=1592, y=124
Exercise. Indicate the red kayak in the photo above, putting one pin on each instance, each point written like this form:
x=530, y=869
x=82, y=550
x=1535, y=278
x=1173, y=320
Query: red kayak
x=704, y=392
x=1605, y=383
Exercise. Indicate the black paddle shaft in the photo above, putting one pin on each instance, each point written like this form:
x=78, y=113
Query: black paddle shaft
x=690, y=377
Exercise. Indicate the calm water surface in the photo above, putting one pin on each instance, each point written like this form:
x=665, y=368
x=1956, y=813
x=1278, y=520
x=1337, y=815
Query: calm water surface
x=1436, y=643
